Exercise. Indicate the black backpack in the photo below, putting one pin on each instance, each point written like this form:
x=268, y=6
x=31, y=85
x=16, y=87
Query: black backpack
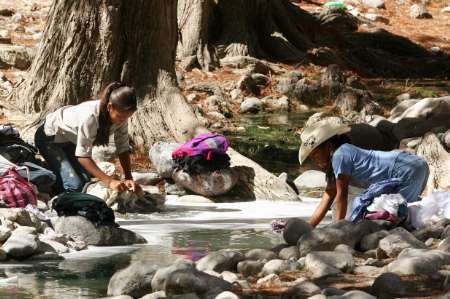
x=86, y=205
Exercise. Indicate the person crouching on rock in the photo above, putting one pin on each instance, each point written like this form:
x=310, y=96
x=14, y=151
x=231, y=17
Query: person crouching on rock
x=328, y=146
x=67, y=136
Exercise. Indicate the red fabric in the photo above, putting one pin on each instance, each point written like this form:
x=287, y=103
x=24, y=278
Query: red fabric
x=15, y=190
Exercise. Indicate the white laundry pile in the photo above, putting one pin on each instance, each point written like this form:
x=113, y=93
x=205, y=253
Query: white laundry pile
x=430, y=210
x=387, y=202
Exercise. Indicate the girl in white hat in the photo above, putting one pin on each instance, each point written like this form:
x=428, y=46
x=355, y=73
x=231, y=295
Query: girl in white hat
x=328, y=146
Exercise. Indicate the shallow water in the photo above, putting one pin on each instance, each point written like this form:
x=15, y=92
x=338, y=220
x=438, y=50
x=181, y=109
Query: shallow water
x=183, y=232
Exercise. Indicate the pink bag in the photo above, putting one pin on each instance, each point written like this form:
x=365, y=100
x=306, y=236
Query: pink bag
x=207, y=145
x=15, y=190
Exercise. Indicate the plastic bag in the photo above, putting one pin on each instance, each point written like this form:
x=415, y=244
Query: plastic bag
x=430, y=210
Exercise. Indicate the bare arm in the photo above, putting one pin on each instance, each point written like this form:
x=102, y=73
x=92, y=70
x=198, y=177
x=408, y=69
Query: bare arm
x=125, y=162
x=324, y=205
x=341, y=199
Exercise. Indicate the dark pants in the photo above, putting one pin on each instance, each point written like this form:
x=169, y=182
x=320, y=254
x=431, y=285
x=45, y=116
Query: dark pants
x=60, y=157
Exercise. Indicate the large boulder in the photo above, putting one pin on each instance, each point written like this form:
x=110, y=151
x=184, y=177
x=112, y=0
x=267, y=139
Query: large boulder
x=438, y=160
x=158, y=282
x=161, y=157
x=397, y=240
x=289, y=253
x=388, y=285
x=401, y=107
x=21, y=217
x=135, y=280
x=219, y=261
x=278, y=266
x=189, y=281
x=79, y=228
x=21, y=245
x=419, y=262
x=311, y=179
x=208, y=184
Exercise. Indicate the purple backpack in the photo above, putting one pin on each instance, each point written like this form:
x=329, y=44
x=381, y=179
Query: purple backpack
x=205, y=144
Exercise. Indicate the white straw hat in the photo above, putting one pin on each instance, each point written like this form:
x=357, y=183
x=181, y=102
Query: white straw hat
x=316, y=134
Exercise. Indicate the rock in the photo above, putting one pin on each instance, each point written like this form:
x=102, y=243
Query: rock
x=444, y=245
x=247, y=84
x=227, y=295
x=15, y=56
x=289, y=253
x=260, y=254
x=400, y=108
x=217, y=116
x=7, y=12
x=419, y=11
x=320, y=270
x=295, y=228
x=193, y=281
x=429, y=242
x=356, y=294
x=286, y=83
x=338, y=260
x=388, y=285
x=371, y=241
x=397, y=240
x=305, y=289
x=219, y=261
x=81, y=229
x=208, y=184
x=249, y=268
x=419, y=262
x=438, y=160
x=77, y=245
x=5, y=233
x=350, y=100
x=135, y=280
x=446, y=140
x=430, y=231
x=330, y=291
x=403, y=97
x=367, y=271
x=161, y=157
x=160, y=277
x=218, y=104
x=344, y=248
x=3, y=255
x=155, y=295
x=46, y=256
x=318, y=116
x=374, y=3
x=229, y=276
x=52, y=246
x=21, y=245
x=445, y=9
x=281, y=104
x=174, y=189
x=146, y=178
x=26, y=230
x=374, y=17
x=311, y=179
x=252, y=105
x=260, y=79
x=235, y=93
x=278, y=266
x=21, y=217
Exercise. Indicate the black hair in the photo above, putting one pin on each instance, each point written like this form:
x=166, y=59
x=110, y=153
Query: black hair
x=335, y=142
x=122, y=98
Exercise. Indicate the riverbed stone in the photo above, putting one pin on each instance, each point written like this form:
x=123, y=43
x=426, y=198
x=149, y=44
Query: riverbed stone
x=21, y=245
x=278, y=266
x=371, y=241
x=229, y=276
x=159, y=279
x=193, y=281
x=251, y=105
x=419, y=262
x=338, y=260
x=146, y=178
x=388, y=285
x=16, y=56
x=289, y=253
x=260, y=254
x=135, y=280
x=368, y=271
x=286, y=83
x=5, y=233
x=356, y=294
x=155, y=295
x=208, y=183
x=219, y=261
x=310, y=179
x=444, y=245
x=430, y=231
x=52, y=246
x=319, y=270
x=227, y=295
x=374, y=3
x=20, y=216
x=296, y=228
x=79, y=228
x=249, y=268
x=3, y=255
x=397, y=240
x=419, y=11
x=305, y=289
x=161, y=157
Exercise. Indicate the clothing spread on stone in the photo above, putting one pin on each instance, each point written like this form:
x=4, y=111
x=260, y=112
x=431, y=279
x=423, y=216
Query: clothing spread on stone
x=79, y=124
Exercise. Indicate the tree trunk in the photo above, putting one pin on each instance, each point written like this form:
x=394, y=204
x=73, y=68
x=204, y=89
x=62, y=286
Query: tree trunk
x=281, y=31
x=87, y=44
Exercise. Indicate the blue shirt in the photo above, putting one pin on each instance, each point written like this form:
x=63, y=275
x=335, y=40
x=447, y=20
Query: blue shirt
x=366, y=167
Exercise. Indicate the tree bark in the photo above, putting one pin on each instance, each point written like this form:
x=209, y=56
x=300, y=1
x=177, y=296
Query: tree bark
x=281, y=31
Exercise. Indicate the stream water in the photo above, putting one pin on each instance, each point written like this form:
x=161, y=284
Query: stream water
x=181, y=232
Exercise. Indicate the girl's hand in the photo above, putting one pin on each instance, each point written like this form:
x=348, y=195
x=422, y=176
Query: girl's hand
x=132, y=185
